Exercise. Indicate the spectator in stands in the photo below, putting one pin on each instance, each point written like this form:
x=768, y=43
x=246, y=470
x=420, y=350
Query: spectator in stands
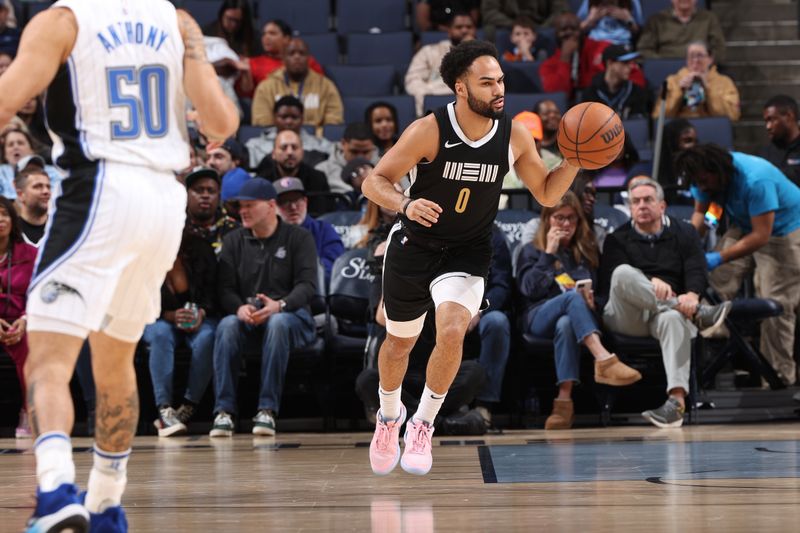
x=235, y=24
x=615, y=21
x=11, y=20
x=9, y=37
x=527, y=45
x=188, y=316
x=763, y=237
x=679, y=134
x=614, y=87
x=356, y=142
x=669, y=32
x=652, y=274
x=321, y=101
x=32, y=115
x=577, y=60
x=287, y=161
x=435, y=15
x=32, y=185
x=491, y=329
x=228, y=66
x=354, y=173
x=381, y=117
x=289, y=116
x=293, y=209
x=16, y=261
x=783, y=151
x=5, y=62
x=563, y=253
x=275, y=37
x=267, y=277
x=585, y=190
x=626, y=165
x=423, y=75
x=377, y=220
x=698, y=90
x=503, y=13
x=205, y=217
x=550, y=114
x=226, y=160
x=15, y=145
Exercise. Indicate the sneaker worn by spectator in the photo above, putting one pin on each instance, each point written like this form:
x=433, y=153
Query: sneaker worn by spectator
x=168, y=423
x=264, y=423
x=223, y=425
x=185, y=413
x=417, y=458
x=614, y=372
x=669, y=415
x=710, y=318
x=384, y=450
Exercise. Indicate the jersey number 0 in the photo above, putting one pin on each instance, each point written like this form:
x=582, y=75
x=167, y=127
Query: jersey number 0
x=147, y=110
x=461, y=202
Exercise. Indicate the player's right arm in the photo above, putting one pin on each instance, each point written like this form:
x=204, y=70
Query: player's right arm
x=546, y=187
x=45, y=45
x=217, y=115
x=420, y=141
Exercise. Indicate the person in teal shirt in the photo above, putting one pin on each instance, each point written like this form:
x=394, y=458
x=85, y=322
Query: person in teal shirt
x=763, y=239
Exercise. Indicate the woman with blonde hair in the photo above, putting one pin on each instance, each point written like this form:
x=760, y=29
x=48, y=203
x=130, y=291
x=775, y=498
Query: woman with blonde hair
x=555, y=274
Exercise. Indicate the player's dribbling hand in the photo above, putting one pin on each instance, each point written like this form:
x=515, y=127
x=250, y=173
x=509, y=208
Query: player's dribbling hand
x=423, y=212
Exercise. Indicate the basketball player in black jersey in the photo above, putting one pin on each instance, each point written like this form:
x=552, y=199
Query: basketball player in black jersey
x=438, y=254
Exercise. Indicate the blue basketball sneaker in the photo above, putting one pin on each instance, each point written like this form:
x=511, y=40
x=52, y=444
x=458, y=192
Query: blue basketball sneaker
x=112, y=520
x=58, y=510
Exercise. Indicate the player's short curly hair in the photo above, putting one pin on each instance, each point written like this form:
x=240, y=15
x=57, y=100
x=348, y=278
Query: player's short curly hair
x=458, y=60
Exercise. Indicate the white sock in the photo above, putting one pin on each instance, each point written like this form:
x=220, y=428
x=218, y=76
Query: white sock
x=429, y=405
x=54, y=465
x=107, y=480
x=390, y=402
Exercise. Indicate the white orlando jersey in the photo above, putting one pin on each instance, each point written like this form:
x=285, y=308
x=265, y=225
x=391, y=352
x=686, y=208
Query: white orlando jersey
x=119, y=97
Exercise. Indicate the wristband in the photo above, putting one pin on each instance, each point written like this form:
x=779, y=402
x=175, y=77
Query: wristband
x=405, y=207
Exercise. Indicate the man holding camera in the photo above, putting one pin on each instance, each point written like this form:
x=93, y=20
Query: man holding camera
x=267, y=277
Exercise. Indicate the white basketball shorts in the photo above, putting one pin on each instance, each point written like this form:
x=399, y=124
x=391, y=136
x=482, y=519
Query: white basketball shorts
x=107, y=247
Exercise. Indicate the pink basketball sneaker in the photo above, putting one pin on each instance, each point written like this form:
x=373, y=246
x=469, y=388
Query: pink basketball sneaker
x=384, y=450
x=417, y=456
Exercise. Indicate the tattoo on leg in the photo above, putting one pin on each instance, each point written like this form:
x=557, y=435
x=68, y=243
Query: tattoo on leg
x=32, y=409
x=116, y=422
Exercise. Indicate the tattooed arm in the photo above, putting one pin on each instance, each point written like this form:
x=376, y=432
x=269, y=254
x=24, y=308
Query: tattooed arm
x=217, y=115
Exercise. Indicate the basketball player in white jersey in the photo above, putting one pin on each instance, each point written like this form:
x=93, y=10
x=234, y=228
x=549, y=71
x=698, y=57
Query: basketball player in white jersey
x=117, y=74
x=438, y=254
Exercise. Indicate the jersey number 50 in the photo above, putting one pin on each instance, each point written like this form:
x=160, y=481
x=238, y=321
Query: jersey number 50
x=148, y=109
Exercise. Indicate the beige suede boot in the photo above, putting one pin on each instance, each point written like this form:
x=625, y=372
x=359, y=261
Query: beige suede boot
x=562, y=415
x=614, y=372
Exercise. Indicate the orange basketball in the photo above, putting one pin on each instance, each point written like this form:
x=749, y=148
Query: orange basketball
x=590, y=135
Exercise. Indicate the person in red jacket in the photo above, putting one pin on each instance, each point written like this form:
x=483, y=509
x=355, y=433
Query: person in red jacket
x=16, y=268
x=576, y=60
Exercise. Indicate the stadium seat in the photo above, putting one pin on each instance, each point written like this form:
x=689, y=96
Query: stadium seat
x=657, y=70
x=608, y=217
x=203, y=11
x=324, y=47
x=304, y=16
x=248, y=132
x=362, y=80
x=354, y=107
x=370, y=16
x=380, y=48
x=333, y=132
x=714, y=130
x=511, y=222
x=342, y=221
x=529, y=68
x=638, y=131
x=681, y=212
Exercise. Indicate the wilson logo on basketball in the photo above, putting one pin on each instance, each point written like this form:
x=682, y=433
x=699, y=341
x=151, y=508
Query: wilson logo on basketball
x=612, y=134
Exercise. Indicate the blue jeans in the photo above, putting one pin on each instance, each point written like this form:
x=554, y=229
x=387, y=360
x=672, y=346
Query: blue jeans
x=162, y=336
x=568, y=320
x=495, y=332
x=282, y=333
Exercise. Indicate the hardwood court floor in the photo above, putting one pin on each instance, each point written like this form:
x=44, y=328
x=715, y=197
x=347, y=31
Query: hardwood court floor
x=703, y=478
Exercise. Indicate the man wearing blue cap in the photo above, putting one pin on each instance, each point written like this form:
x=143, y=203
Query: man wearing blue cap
x=266, y=279
x=614, y=87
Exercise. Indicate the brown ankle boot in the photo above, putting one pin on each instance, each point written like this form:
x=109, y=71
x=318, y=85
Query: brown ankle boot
x=614, y=372
x=562, y=415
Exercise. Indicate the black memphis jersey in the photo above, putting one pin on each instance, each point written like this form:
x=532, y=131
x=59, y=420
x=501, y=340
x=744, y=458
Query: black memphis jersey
x=465, y=179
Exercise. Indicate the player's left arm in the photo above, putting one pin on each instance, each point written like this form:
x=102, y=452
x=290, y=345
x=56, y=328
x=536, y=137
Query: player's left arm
x=546, y=187
x=45, y=45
